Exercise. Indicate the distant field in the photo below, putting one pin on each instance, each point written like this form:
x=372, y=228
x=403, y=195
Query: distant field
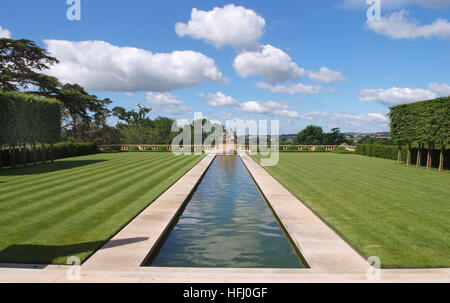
x=400, y=214
x=71, y=207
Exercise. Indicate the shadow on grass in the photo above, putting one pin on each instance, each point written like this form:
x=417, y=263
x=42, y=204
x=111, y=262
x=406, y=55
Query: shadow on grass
x=44, y=254
x=45, y=168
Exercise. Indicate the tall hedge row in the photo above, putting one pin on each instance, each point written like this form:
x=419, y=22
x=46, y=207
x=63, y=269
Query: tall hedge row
x=28, y=120
x=391, y=152
x=425, y=123
x=60, y=150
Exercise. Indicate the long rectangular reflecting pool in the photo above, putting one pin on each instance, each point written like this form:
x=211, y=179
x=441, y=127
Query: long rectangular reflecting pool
x=227, y=223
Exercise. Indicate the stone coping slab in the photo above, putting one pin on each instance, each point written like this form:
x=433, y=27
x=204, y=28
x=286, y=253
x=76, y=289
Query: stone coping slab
x=320, y=246
x=130, y=247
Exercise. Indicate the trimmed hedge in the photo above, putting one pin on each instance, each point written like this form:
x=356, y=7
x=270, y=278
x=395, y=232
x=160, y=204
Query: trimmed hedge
x=28, y=119
x=391, y=152
x=61, y=150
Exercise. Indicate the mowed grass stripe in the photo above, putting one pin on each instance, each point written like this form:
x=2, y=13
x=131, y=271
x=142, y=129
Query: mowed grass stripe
x=75, y=220
x=406, y=210
x=93, y=192
x=374, y=209
x=110, y=214
x=42, y=189
x=56, y=179
x=24, y=175
x=381, y=208
x=106, y=202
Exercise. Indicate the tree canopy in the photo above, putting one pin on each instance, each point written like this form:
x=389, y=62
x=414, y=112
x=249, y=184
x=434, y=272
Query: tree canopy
x=426, y=122
x=314, y=135
x=20, y=64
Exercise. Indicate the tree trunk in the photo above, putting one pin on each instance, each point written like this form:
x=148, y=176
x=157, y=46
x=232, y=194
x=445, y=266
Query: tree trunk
x=43, y=153
x=441, y=161
x=429, y=156
x=13, y=156
x=24, y=155
x=52, y=155
x=408, y=161
x=419, y=155
x=399, y=155
x=34, y=153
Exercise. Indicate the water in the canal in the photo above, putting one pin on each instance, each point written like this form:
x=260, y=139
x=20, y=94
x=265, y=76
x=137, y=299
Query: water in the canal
x=227, y=223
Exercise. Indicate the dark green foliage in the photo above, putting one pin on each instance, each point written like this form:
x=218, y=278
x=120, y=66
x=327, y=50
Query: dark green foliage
x=60, y=150
x=161, y=149
x=311, y=135
x=20, y=62
x=74, y=149
x=372, y=140
x=112, y=149
x=334, y=138
x=426, y=122
x=391, y=152
x=133, y=149
x=27, y=119
x=341, y=150
x=320, y=149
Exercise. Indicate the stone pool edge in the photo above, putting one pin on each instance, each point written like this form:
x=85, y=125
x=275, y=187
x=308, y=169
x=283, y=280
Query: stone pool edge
x=129, y=248
x=319, y=245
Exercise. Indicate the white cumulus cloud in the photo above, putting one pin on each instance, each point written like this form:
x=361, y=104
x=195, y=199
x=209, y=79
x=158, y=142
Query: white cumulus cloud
x=440, y=89
x=100, y=66
x=168, y=103
x=292, y=89
x=326, y=75
x=4, y=33
x=268, y=108
x=395, y=95
x=271, y=63
x=231, y=25
x=220, y=99
x=400, y=26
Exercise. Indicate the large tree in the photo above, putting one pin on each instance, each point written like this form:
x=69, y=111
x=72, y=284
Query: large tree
x=21, y=63
x=334, y=138
x=82, y=112
x=311, y=135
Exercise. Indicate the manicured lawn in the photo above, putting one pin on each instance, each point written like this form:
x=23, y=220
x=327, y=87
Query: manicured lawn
x=400, y=214
x=70, y=208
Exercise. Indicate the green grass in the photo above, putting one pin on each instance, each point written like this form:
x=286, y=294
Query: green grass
x=71, y=207
x=398, y=213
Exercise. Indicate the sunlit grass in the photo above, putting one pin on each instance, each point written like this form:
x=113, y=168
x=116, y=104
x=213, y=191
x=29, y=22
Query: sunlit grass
x=398, y=213
x=70, y=208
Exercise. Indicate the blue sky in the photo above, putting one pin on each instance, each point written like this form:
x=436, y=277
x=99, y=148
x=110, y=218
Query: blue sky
x=301, y=62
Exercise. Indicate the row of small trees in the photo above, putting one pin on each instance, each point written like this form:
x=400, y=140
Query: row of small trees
x=422, y=123
x=28, y=120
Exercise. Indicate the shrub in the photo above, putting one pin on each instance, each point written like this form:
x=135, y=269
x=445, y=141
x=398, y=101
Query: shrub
x=341, y=150
x=292, y=148
x=320, y=149
x=161, y=149
x=112, y=149
x=60, y=150
x=133, y=149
